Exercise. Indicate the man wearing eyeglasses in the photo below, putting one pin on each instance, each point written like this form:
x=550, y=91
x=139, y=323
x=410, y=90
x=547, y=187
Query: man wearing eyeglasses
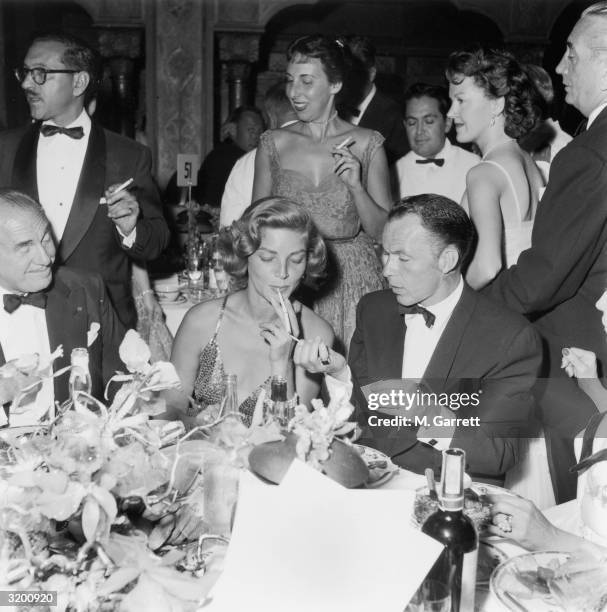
x=71, y=165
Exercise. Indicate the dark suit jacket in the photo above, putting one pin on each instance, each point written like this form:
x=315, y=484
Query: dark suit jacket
x=75, y=300
x=384, y=116
x=557, y=283
x=483, y=349
x=91, y=240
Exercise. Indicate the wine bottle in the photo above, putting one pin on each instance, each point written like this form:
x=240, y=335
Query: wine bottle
x=80, y=378
x=456, y=565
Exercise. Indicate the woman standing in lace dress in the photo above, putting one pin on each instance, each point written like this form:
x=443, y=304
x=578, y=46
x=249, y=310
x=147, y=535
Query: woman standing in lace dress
x=344, y=186
x=493, y=103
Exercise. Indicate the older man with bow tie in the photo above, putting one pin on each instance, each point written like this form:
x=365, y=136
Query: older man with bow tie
x=431, y=333
x=70, y=164
x=433, y=165
x=41, y=309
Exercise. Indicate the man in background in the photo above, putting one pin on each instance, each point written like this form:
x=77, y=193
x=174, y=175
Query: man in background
x=371, y=109
x=433, y=165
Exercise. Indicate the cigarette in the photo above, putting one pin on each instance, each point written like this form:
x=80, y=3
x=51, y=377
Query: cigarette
x=285, y=313
x=348, y=141
x=120, y=188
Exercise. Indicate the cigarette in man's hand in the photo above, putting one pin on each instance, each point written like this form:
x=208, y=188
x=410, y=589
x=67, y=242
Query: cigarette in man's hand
x=348, y=141
x=119, y=188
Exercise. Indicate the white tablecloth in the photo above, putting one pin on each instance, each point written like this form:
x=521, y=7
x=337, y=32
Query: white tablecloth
x=174, y=313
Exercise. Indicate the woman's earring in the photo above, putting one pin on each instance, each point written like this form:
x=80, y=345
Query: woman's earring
x=492, y=120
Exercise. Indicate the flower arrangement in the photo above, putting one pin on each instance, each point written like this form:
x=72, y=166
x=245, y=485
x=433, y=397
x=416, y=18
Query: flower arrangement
x=64, y=521
x=316, y=430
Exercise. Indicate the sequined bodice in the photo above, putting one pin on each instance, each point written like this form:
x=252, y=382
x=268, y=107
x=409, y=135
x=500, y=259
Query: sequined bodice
x=209, y=387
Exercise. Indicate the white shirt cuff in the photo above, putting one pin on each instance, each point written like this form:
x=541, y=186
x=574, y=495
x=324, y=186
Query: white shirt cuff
x=338, y=387
x=128, y=241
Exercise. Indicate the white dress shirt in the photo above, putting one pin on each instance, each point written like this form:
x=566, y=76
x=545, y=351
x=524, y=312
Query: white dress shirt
x=362, y=107
x=421, y=340
x=595, y=113
x=238, y=191
x=59, y=161
x=24, y=332
x=448, y=180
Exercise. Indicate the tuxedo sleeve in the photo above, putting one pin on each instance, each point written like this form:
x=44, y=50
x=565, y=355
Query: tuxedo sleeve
x=357, y=360
x=152, y=232
x=567, y=235
x=505, y=408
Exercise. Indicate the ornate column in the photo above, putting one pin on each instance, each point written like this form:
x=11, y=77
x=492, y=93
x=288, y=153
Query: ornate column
x=121, y=49
x=238, y=51
x=179, y=50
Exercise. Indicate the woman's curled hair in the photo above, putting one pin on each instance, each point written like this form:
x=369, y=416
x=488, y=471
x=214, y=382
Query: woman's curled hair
x=499, y=75
x=241, y=239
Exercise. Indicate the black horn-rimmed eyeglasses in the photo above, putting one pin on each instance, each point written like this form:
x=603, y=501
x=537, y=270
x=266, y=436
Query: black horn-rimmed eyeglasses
x=38, y=74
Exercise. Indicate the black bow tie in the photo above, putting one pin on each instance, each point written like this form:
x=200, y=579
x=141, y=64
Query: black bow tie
x=13, y=301
x=73, y=132
x=439, y=161
x=429, y=318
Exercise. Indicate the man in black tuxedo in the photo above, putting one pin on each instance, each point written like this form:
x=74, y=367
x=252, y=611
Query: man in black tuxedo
x=372, y=109
x=480, y=359
x=69, y=164
x=41, y=310
x=557, y=282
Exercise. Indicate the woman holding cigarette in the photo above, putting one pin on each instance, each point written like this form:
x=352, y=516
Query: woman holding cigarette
x=335, y=170
x=251, y=333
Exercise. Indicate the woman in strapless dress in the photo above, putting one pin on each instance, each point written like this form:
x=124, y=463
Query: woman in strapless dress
x=493, y=103
x=335, y=170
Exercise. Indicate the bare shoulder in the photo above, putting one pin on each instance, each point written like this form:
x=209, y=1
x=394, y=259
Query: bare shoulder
x=200, y=321
x=314, y=325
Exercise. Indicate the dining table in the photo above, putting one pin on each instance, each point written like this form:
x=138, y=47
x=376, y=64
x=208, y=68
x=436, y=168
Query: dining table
x=402, y=479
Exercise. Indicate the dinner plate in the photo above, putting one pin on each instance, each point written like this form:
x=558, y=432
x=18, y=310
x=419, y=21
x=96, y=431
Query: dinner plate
x=519, y=583
x=182, y=299
x=424, y=507
x=381, y=468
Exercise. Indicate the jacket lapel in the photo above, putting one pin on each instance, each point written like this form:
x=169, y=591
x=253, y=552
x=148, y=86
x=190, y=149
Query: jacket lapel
x=442, y=361
x=86, y=199
x=24, y=167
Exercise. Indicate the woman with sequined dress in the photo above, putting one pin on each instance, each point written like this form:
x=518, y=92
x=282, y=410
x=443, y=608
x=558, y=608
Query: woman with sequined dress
x=275, y=246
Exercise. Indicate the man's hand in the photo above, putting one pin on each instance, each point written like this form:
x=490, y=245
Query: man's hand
x=315, y=357
x=122, y=208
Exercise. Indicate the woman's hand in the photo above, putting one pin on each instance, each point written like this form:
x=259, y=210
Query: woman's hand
x=347, y=167
x=315, y=357
x=579, y=363
x=276, y=334
x=519, y=519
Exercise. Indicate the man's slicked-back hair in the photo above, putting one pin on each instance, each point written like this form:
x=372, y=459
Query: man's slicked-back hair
x=13, y=201
x=438, y=93
x=78, y=55
x=446, y=220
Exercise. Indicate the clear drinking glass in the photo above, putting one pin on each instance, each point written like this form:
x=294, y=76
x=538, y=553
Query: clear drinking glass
x=432, y=596
x=220, y=491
